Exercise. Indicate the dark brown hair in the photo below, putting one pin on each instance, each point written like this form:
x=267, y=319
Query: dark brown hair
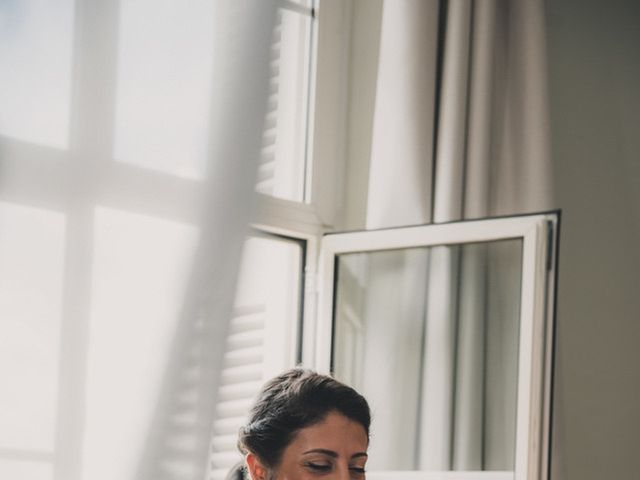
x=294, y=400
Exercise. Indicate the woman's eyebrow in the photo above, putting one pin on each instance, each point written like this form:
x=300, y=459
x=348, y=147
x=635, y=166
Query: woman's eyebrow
x=329, y=453
x=333, y=454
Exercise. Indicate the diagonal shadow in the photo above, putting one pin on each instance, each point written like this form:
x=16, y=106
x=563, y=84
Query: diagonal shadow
x=178, y=440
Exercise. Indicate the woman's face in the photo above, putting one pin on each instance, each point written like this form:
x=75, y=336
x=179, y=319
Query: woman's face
x=334, y=449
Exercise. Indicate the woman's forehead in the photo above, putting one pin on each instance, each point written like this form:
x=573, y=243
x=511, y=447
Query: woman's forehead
x=334, y=433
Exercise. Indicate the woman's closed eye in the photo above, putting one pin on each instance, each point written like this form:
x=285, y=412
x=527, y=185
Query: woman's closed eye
x=357, y=472
x=319, y=466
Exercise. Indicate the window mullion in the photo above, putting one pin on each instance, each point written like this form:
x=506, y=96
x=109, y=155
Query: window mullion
x=91, y=143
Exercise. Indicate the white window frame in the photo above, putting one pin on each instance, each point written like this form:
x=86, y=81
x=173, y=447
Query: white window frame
x=325, y=154
x=327, y=107
x=535, y=337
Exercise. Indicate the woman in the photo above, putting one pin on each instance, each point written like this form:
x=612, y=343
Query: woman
x=305, y=426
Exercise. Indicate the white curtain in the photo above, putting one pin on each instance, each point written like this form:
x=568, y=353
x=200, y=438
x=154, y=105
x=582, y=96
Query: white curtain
x=130, y=134
x=460, y=131
x=399, y=193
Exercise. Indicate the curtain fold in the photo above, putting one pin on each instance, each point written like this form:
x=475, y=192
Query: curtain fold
x=399, y=193
x=489, y=161
x=469, y=401
x=442, y=288
x=401, y=166
x=497, y=147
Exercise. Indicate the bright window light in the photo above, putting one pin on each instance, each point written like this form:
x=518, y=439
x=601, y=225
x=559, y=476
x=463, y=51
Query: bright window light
x=31, y=279
x=35, y=60
x=164, y=77
x=140, y=271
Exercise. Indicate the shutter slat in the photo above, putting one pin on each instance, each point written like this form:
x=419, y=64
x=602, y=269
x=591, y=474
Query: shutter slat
x=238, y=391
x=233, y=408
x=244, y=356
x=243, y=373
x=225, y=459
x=247, y=323
x=251, y=338
x=222, y=443
x=228, y=425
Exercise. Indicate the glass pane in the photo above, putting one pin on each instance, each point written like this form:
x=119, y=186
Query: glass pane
x=261, y=341
x=282, y=165
x=32, y=243
x=141, y=266
x=430, y=336
x=35, y=60
x=165, y=61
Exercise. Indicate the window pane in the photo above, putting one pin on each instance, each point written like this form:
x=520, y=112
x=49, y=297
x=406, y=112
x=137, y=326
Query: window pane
x=165, y=57
x=282, y=166
x=35, y=61
x=262, y=339
x=141, y=265
x=430, y=337
x=31, y=276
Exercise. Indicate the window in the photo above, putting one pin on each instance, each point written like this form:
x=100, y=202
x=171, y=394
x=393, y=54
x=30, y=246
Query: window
x=446, y=329
x=283, y=164
x=126, y=231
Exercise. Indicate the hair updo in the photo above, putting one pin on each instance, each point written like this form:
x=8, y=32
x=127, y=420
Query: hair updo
x=294, y=400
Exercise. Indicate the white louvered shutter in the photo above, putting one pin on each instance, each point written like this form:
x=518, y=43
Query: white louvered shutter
x=242, y=375
x=262, y=338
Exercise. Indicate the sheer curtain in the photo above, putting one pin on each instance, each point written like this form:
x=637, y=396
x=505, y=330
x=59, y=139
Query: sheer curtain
x=491, y=159
x=130, y=135
x=459, y=131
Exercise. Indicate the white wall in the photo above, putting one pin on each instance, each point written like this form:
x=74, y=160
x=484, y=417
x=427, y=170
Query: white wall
x=594, y=64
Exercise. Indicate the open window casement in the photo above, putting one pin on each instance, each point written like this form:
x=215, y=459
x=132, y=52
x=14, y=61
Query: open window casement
x=447, y=330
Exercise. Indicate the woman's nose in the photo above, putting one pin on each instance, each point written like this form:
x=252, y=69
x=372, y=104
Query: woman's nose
x=343, y=473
